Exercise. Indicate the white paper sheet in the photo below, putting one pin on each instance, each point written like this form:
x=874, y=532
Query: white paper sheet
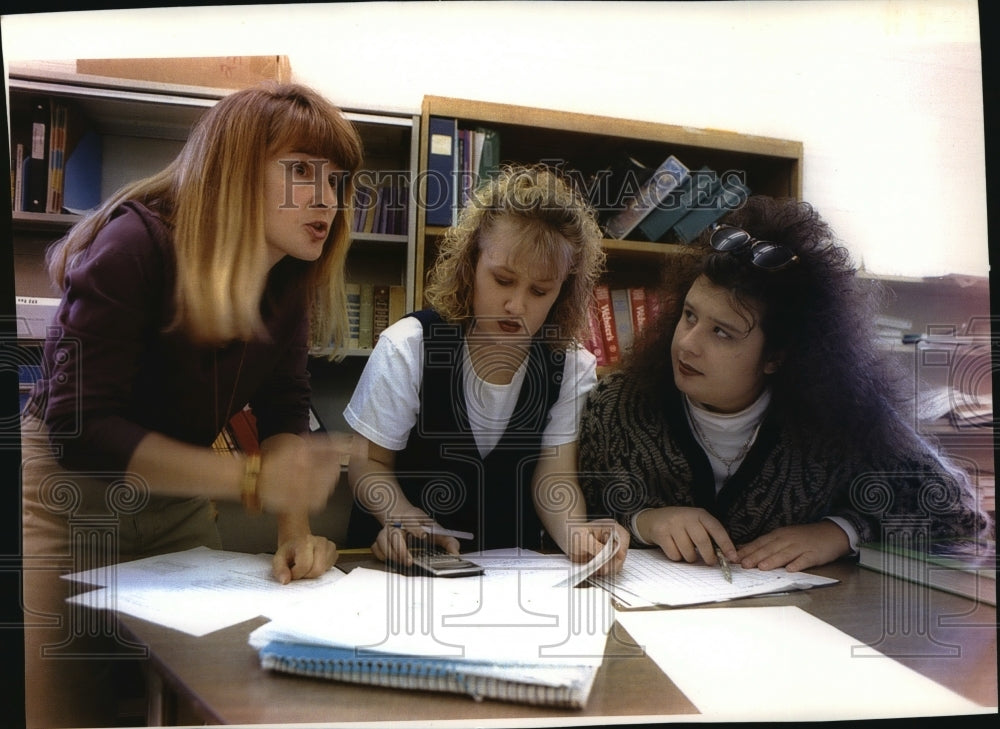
x=782, y=664
x=504, y=616
x=649, y=578
x=196, y=591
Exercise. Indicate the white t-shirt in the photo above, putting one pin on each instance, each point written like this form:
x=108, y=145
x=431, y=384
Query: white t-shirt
x=386, y=402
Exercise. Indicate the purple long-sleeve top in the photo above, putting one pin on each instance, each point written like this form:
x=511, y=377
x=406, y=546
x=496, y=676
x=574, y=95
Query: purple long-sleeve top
x=112, y=374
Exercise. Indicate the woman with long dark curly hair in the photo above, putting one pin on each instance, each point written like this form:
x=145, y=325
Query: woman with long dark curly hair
x=757, y=412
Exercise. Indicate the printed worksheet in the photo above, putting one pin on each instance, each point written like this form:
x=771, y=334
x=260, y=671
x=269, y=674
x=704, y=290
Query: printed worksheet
x=649, y=579
x=196, y=591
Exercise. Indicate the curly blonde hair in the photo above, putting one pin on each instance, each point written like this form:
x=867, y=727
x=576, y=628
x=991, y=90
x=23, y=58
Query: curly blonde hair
x=559, y=229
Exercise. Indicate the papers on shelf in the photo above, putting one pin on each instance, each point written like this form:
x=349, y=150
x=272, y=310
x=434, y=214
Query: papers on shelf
x=649, y=579
x=782, y=664
x=196, y=591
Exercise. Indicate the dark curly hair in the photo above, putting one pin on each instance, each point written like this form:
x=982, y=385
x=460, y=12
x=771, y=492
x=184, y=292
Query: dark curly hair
x=816, y=314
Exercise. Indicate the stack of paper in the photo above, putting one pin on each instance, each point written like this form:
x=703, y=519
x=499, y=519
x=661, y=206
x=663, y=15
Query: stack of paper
x=509, y=635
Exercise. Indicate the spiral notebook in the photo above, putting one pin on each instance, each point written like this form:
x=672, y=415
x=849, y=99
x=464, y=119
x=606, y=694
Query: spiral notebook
x=518, y=635
x=567, y=686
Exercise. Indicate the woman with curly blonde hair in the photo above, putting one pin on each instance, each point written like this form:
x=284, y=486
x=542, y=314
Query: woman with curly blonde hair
x=470, y=407
x=187, y=296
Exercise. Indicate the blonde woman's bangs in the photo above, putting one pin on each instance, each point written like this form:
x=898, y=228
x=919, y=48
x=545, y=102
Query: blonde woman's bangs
x=542, y=250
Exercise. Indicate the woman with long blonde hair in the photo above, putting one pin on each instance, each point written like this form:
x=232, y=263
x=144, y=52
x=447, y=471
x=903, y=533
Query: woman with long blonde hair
x=185, y=297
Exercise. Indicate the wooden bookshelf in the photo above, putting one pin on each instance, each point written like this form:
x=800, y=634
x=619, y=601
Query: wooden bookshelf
x=587, y=142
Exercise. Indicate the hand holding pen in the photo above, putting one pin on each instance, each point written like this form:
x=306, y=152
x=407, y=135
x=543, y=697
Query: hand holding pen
x=687, y=533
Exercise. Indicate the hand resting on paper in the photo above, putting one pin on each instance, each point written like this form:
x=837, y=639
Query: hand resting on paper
x=303, y=557
x=685, y=533
x=796, y=548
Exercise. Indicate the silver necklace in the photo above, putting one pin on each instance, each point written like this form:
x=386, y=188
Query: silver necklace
x=707, y=443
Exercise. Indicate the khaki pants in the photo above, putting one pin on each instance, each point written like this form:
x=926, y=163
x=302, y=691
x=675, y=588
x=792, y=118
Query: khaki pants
x=77, y=521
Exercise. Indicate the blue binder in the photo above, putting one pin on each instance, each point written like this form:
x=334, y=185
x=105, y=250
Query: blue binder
x=440, y=195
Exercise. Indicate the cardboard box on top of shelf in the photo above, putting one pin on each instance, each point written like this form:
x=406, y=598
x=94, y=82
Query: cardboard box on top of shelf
x=222, y=72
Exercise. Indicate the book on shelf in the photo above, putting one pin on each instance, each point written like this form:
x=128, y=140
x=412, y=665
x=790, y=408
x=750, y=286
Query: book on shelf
x=606, y=319
x=440, y=194
x=489, y=156
x=477, y=160
x=35, y=167
x=637, y=298
x=657, y=224
x=366, y=317
x=364, y=200
x=353, y=315
x=464, y=175
x=612, y=187
x=380, y=310
x=397, y=303
x=667, y=177
x=622, y=307
x=57, y=150
x=17, y=176
x=718, y=197
x=966, y=567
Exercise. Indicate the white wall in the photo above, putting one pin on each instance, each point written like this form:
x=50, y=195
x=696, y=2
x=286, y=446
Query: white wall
x=885, y=95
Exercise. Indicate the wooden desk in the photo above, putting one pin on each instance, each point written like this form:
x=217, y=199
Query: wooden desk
x=218, y=679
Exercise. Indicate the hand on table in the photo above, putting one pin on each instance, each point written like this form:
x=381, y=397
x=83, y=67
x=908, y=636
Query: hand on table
x=796, y=547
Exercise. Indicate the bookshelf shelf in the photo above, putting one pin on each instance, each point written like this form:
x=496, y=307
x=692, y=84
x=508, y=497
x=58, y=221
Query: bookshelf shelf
x=54, y=222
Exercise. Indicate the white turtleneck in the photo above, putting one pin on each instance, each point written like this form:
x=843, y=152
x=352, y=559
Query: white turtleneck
x=726, y=437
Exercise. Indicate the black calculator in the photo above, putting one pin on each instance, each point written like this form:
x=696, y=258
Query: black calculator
x=430, y=559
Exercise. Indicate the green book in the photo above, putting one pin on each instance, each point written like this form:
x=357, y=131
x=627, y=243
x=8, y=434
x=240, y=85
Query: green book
x=965, y=567
x=719, y=198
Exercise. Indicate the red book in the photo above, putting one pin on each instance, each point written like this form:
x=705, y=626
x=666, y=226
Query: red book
x=606, y=318
x=640, y=313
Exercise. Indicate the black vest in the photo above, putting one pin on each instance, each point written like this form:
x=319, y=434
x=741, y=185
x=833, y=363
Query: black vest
x=441, y=470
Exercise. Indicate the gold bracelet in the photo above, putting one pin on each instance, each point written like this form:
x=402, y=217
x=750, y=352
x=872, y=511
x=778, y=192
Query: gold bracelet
x=248, y=488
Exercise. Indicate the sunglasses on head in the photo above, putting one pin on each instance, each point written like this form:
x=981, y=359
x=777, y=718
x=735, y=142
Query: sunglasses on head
x=763, y=253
